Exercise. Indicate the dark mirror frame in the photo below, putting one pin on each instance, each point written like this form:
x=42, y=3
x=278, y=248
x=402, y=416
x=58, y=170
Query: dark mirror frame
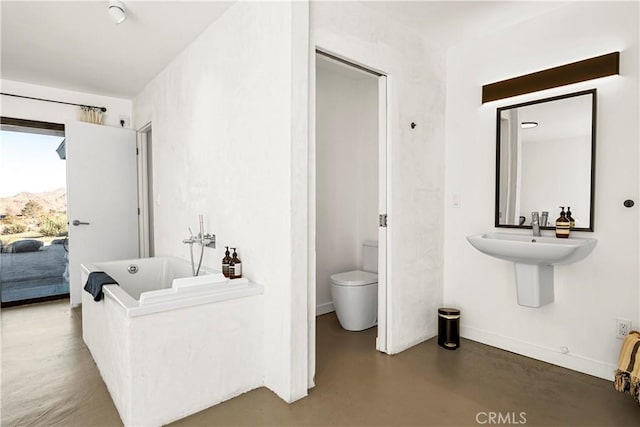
x=552, y=216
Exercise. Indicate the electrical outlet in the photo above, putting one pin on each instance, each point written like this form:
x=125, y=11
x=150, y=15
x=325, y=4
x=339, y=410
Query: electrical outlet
x=623, y=327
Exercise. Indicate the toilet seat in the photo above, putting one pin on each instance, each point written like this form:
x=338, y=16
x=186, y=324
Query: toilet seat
x=354, y=278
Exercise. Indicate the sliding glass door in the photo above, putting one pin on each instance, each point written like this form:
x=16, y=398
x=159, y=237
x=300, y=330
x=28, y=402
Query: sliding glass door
x=33, y=212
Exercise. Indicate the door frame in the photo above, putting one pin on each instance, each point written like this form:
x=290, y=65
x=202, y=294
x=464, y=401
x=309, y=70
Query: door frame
x=384, y=203
x=145, y=229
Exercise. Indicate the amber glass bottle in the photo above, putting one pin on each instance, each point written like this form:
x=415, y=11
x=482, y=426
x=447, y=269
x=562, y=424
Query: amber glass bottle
x=563, y=226
x=572, y=222
x=235, y=267
x=225, y=262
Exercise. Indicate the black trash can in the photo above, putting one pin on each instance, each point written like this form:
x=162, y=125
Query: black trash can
x=449, y=328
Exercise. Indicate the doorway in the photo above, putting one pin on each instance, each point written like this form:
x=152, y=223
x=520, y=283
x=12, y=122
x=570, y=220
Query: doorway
x=33, y=212
x=145, y=190
x=347, y=182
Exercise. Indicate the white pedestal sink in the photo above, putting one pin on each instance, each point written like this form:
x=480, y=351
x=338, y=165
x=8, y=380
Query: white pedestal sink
x=534, y=258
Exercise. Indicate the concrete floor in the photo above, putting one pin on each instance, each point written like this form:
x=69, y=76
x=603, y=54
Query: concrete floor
x=49, y=379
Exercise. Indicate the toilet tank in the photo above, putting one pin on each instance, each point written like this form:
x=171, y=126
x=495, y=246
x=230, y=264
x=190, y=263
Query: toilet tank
x=370, y=256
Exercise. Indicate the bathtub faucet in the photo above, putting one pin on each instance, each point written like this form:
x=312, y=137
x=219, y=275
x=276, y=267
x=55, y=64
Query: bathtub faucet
x=208, y=240
x=203, y=239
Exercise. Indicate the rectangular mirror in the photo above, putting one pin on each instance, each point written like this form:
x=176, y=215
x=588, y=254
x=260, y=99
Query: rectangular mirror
x=545, y=158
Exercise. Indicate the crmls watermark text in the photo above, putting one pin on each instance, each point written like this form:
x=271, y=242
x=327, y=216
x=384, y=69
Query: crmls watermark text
x=511, y=418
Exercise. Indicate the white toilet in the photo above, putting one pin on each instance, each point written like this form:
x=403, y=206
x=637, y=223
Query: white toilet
x=355, y=293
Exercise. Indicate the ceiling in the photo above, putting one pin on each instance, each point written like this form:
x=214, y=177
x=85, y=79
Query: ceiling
x=75, y=45
x=449, y=22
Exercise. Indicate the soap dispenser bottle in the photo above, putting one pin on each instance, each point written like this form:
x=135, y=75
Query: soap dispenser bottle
x=563, y=226
x=235, y=266
x=225, y=262
x=572, y=222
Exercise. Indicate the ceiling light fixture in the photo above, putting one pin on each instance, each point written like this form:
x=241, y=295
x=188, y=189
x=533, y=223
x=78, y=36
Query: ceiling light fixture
x=116, y=11
x=528, y=125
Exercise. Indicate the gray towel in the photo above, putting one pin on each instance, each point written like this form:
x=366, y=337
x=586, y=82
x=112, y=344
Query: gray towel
x=96, y=281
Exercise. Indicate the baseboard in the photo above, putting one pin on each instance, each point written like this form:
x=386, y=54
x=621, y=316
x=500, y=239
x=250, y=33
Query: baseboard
x=546, y=354
x=325, y=308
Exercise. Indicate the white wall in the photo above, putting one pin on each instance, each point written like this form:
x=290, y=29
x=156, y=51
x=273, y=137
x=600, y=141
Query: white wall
x=19, y=108
x=589, y=295
x=416, y=92
x=346, y=172
x=226, y=142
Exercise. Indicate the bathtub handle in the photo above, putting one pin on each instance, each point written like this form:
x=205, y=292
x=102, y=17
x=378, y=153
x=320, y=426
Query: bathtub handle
x=76, y=222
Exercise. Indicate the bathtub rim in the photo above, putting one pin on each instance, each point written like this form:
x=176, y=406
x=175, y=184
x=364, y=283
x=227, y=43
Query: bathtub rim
x=133, y=309
x=233, y=289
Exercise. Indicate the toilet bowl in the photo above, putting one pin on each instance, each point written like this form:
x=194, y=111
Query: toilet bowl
x=355, y=293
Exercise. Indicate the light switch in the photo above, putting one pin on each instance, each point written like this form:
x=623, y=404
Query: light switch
x=457, y=201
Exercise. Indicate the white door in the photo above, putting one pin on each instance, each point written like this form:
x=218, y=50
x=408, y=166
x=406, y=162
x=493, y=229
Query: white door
x=102, y=198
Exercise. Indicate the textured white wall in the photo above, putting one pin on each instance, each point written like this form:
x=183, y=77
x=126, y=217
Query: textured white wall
x=416, y=92
x=347, y=172
x=223, y=116
x=589, y=295
x=19, y=108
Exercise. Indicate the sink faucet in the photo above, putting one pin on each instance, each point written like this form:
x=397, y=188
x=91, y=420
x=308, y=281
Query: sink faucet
x=535, y=223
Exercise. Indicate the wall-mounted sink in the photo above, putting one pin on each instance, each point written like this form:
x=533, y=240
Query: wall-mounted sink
x=528, y=249
x=534, y=258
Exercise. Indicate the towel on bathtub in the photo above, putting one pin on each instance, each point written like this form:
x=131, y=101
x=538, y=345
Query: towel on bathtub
x=628, y=372
x=95, y=282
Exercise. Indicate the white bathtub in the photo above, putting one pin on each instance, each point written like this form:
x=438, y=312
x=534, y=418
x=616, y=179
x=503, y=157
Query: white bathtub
x=167, y=344
x=166, y=283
